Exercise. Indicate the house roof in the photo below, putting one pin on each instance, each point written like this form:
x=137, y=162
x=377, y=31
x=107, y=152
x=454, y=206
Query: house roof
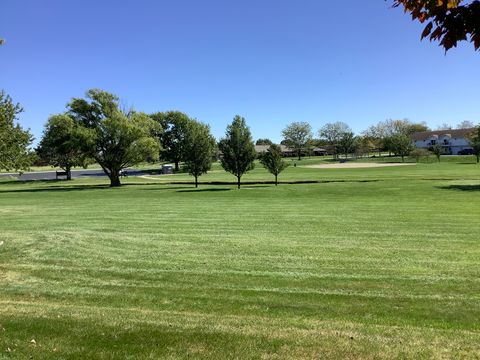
x=455, y=133
x=264, y=148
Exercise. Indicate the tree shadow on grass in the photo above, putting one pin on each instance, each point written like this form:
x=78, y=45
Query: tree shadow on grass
x=202, y=190
x=460, y=187
x=181, y=186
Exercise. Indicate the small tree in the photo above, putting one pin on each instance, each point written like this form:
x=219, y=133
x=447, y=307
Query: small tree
x=14, y=141
x=297, y=135
x=437, y=150
x=273, y=162
x=115, y=139
x=237, y=148
x=401, y=145
x=199, y=150
x=61, y=144
x=347, y=144
x=474, y=140
x=418, y=153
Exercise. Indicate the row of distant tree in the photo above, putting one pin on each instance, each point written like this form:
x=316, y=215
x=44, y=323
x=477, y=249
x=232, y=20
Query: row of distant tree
x=393, y=136
x=96, y=129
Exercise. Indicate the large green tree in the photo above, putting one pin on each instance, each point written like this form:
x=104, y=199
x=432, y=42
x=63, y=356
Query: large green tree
x=401, y=145
x=347, y=144
x=175, y=126
x=273, y=162
x=331, y=133
x=15, y=153
x=200, y=150
x=61, y=144
x=114, y=138
x=237, y=149
x=447, y=21
x=297, y=136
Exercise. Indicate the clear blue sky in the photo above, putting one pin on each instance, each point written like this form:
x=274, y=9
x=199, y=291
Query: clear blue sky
x=271, y=61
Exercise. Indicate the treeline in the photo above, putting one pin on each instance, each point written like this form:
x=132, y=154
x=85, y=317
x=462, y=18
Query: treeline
x=392, y=136
x=96, y=129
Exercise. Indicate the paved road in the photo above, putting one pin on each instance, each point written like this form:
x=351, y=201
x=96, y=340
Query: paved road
x=50, y=175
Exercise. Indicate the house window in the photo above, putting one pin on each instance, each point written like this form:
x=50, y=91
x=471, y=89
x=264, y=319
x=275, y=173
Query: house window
x=433, y=142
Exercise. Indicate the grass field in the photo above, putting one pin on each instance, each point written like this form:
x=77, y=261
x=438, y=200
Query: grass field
x=379, y=263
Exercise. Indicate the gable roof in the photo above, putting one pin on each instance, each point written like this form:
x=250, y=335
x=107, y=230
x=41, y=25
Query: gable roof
x=455, y=133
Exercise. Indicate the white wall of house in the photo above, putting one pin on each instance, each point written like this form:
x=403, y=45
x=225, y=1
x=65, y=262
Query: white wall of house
x=451, y=145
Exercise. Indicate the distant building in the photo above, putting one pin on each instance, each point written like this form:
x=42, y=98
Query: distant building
x=452, y=141
x=288, y=152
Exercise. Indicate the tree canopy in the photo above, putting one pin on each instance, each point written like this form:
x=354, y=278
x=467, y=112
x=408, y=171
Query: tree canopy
x=200, y=149
x=273, y=162
x=175, y=126
x=116, y=139
x=61, y=144
x=14, y=141
x=264, y=142
x=474, y=140
x=237, y=149
x=401, y=145
x=447, y=21
x=465, y=124
x=347, y=144
x=297, y=136
x=331, y=133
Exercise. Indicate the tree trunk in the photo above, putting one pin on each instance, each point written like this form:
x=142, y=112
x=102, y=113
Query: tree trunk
x=238, y=182
x=176, y=166
x=114, y=179
x=403, y=158
x=299, y=154
x=68, y=170
x=478, y=159
x=276, y=180
x=196, y=181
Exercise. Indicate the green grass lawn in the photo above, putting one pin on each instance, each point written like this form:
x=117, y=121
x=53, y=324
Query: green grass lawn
x=377, y=263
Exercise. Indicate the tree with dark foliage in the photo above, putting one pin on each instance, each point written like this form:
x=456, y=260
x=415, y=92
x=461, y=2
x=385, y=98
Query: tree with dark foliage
x=447, y=21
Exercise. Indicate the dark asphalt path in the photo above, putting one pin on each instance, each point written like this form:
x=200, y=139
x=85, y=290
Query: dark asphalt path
x=50, y=175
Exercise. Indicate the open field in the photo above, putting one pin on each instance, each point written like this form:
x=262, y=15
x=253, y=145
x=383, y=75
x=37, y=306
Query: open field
x=372, y=263
x=356, y=165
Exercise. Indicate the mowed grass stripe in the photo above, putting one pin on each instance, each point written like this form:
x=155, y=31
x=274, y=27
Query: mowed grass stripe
x=348, y=269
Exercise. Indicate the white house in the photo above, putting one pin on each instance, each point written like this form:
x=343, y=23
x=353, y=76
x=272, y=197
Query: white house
x=452, y=141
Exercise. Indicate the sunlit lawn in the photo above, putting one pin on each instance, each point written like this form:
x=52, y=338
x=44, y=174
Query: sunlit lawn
x=366, y=263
